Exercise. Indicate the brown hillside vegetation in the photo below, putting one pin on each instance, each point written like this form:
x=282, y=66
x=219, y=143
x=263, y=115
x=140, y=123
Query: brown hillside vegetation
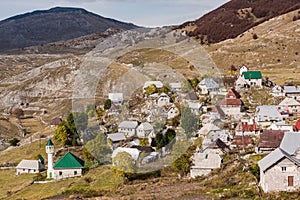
x=274, y=50
x=235, y=17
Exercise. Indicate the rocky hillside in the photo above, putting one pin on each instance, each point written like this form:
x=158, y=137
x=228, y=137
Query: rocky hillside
x=56, y=24
x=235, y=17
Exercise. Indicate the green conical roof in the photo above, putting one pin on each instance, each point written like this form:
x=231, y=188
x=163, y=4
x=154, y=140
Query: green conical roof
x=49, y=143
x=68, y=161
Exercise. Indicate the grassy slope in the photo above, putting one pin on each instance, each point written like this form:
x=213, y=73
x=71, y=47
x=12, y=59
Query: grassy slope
x=274, y=52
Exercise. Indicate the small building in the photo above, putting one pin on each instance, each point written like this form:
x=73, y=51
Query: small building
x=172, y=112
x=208, y=86
x=279, y=170
x=204, y=162
x=269, y=140
x=277, y=91
x=267, y=114
x=243, y=69
x=195, y=107
x=232, y=104
x=288, y=106
x=116, y=97
x=30, y=166
x=244, y=141
x=253, y=78
x=145, y=130
x=68, y=166
x=247, y=127
x=292, y=91
x=280, y=126
x=115, y=139
x=128, y=128
x=163, y=100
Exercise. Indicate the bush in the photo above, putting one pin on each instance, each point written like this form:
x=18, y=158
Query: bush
x=14, y=142
x=255, y=36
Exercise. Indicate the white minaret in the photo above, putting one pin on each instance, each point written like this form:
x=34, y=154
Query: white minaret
x=50, y=151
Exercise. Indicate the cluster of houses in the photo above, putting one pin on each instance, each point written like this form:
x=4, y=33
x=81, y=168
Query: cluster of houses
x=265, y=130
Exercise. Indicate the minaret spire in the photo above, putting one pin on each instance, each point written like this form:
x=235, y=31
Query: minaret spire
x=50, y=151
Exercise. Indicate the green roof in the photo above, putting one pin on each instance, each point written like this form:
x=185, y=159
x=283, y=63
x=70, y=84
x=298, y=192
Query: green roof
x=68, y=161
x=252, y=75
x=49, y=143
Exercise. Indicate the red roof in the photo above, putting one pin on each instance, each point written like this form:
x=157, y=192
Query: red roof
x=244, y=126
x=271, y=138
x=231, y=102
x=239, y=141
x=298, y=125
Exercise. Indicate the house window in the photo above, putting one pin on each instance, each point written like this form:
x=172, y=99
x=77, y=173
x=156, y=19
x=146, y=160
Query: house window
x=60, y=173
x=75, y=172
x=23, y=170
x=290, y=180
x=283, y=169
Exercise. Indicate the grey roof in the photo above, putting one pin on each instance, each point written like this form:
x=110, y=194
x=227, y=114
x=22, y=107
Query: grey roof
x=289, y=102
x=206, y=160
x=210, y=83
x=135, y=153
x=115, y=97
x=290, y=142
x=267, y=113
x=291, y=89
x=288, y=146
x=145, y=126
x=116, y=137
x=29, y=164
x=128, y=124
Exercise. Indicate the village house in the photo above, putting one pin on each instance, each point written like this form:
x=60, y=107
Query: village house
x=115, y=139
x=277, y=91
x=247, y=127
x=267, y=114
x=208, y=86
x=253, y=78
x=213, y=134
x=232, y=104
x=128, y=128
x=241, y=141
x=292, y=91
x=172, y=112
x=133, y=152
x=176, y=87
x=280, y=126
x=163, y=100
x=269, y=140
x=68, y=166
x=243, y=69
x=145, y=130
x=116, y=97
x=279, y=170
x=204, y=162
x=30, y=166
x=288, y=106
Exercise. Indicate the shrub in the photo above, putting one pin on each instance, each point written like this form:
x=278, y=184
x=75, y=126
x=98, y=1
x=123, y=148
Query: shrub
x=14, y=142
x=255, y=36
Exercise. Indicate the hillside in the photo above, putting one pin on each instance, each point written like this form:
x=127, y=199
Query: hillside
x=235, y=17
x=274, y=50
x=46, y=26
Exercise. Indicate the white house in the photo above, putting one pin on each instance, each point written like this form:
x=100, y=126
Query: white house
x=280, y=170
x=277, y=91
x=68, y=166
x=204, y=163
x=289, y=105
x=128, y=128
x=292, y=91
x=232, y=103
x=30, y=166
x=280, y=126
x=267, y=114
x=243, y=69
x=145, y=130
x=253, y=78
x=172, y=112
x=116, y=97
x=163, y=100
x=208, y=85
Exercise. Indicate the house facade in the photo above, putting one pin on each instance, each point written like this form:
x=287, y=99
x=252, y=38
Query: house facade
x=208, y=85
x=289, y=105
x=145, y=130
x=280, y=170
x=232, y=103
x=247, y=127
x=30, y=166
x=128, y=128
x=253, y=78
x=163, y=100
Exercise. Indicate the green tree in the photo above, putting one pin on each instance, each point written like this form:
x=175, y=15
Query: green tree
x=166, y=89
x=61, y=133
x=194, y=83
x=189, y=121
x=71, y=123
x=151, y=89
x=182, y=164
x=163, y=139
x=107, y=104
x=14, y=142
x=87, y=155
x=186, y=86
x=99, y=148
x=123, y=163
x=81, y=121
